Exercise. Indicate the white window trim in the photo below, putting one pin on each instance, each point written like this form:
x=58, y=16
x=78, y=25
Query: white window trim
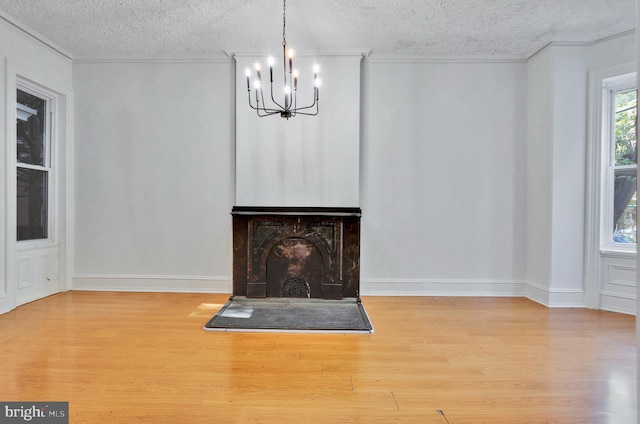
x=49, y=165
x=611, y=85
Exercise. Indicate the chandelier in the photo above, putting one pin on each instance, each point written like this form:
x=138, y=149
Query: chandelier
x=288, y=106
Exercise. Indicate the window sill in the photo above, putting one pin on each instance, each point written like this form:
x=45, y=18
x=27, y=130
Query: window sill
x=25, y=245
x=618, y=253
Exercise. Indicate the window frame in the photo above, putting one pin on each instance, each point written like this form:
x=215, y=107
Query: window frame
x=49, y=161
x=611, y=86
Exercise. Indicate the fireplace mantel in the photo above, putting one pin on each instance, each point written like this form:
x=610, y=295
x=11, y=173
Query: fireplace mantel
x=296, y=252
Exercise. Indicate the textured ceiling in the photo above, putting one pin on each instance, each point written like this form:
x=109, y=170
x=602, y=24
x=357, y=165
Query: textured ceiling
x=208, y=29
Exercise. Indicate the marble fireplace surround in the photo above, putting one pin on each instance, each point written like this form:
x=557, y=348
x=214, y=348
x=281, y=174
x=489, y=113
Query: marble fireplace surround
x=298, y=252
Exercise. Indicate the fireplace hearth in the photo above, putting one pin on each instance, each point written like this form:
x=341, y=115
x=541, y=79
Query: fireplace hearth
x=296, y=252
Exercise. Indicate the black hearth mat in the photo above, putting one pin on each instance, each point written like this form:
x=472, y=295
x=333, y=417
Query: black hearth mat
x=291, y=315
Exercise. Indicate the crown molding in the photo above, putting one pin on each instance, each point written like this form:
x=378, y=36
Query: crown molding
x=89, y=60
x=614, y=36
x=35, y=35
x=335, y=53
x=445, y=59
x=537, y=50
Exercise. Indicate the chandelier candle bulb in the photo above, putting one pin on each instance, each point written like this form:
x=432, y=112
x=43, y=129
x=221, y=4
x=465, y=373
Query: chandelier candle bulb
x=248, y=74
x=258, y=71
x=270, y=62
x=290, y=60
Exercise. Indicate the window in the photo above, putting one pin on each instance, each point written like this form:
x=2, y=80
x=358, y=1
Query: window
x=33, y=165
x=621, y=168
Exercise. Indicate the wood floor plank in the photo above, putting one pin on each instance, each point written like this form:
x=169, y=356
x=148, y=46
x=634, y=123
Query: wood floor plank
x=144, y=358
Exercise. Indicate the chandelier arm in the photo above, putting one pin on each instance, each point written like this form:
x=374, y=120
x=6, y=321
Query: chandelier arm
x=315, y=102
x=315, y=112
x=273, y=99
x=269, y=110
x=251, y=104
x=307, y=113
x=316, y=105
x=316, y=99
x=262, y=97
x=266, y=111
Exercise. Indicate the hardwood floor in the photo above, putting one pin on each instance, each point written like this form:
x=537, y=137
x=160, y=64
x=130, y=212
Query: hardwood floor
x=144, y=358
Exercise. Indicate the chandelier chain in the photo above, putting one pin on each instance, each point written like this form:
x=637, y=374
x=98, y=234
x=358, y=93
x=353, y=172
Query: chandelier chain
x=284, y=22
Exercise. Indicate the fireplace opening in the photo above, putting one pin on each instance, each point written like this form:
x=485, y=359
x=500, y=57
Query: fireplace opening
x=296, y=252
x=294, y=269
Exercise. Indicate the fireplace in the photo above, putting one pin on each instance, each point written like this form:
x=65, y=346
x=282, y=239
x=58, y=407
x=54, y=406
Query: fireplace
x=296, y=252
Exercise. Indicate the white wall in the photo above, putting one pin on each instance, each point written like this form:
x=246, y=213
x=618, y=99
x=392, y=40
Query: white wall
x=539, y=171
x=569, y=149
x=24, y=56
x=155, y=176
x=556, y=175
x=154, y=172
x=443, y=178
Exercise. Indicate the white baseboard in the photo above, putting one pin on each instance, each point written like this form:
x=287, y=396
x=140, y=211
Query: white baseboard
x=377, y=287
x=555, y=298
x=444, y=287
x=152, y=283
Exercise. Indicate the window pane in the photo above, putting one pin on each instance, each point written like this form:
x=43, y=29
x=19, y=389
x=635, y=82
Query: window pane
x=30, y=111
x=624, y=206
x=32, y=204
x=625, y=127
